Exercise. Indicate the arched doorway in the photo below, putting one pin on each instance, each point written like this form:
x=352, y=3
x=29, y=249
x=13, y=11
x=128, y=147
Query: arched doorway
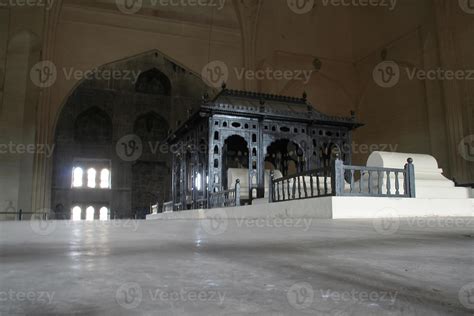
x=285, y=156
x=235, y=155
x=103, y=112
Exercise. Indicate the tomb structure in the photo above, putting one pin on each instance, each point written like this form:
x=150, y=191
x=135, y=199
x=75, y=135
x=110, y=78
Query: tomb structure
x=243, y=135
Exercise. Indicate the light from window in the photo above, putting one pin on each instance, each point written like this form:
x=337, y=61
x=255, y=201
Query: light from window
x=77, y=174
x=105, y=179
x=90, y=213
x=198, y=182
x=76, y=213
x=104, y=214
x=91, y=174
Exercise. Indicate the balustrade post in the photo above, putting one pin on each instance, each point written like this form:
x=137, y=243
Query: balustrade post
x=337, y=177
x=410, y=179
x=237, y=192
x=270, y=187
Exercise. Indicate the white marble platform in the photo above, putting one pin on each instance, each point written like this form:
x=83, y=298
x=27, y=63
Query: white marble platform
x=337, y=208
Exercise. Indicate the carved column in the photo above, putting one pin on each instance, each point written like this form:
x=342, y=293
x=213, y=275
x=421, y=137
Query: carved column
x=42, y=169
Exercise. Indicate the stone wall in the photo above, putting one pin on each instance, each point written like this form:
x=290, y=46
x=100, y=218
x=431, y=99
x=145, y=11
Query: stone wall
x=161, y=98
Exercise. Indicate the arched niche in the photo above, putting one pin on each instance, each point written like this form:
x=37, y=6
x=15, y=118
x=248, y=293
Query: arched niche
x=151, y=127
x=235, y=154
x=93, y=126
x=153, y=81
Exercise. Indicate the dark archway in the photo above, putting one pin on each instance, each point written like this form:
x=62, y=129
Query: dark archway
x=93, y=126
x=285, y=156
x=235, y=154
x=99, y=113
x=153, y=81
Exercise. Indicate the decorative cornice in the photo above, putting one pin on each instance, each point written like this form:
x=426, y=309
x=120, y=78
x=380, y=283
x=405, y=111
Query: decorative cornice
x=261, y=96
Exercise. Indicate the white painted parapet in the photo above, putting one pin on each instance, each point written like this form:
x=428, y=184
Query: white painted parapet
x=429, y=179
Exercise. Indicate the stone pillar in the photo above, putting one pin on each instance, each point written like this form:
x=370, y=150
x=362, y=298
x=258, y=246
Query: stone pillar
x=449, y=56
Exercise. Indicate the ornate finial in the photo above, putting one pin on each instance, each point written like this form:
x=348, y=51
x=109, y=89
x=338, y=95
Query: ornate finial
x=237, y=181
x=410, y=160
x=305, y=95
x=224, y=86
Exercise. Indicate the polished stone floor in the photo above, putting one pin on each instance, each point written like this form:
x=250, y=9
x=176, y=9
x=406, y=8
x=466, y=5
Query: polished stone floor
x=235, y=267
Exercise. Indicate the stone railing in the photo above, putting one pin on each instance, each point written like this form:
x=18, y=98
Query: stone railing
x=345, y=180
x=225, y=198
